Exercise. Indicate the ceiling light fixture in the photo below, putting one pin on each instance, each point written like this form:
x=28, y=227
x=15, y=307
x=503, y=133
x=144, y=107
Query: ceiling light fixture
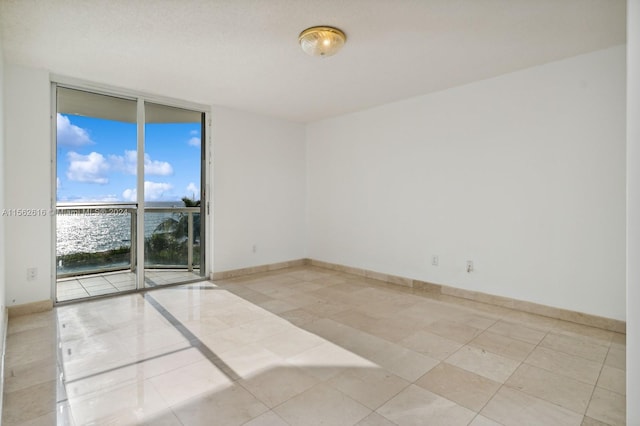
x=321, y=41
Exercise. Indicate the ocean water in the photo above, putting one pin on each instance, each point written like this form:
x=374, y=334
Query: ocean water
x=93, y=232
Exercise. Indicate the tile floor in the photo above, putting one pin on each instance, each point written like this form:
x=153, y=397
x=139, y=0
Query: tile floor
x=307, y=346
x=114, y=282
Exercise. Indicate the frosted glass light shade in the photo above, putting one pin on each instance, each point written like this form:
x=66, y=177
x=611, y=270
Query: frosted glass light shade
x=321, y=41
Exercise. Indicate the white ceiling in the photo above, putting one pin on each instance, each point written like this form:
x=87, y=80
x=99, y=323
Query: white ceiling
x=244, y=54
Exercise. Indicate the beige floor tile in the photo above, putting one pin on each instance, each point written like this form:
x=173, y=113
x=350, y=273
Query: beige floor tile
x=617, y=357
x=391, y=329
x=560, y=390
x=277, y=306
x=511, y=407
x=589, y=333
x=164, y=418
x=31, y=349
x=302, y=300
x=153, y=340
x=427, y=311
x=371, y=387
x=298, y=317
x=608, y=407
x=28, y=322
x=530, y=320
x=479, y=361
x=322, y=405
x=128, y=404
x=503, y=345
x=94, y=355
x=226, y=340
x=387, y=309
x=355, y=319
x=203, y=326
x=328, y=360
x=613, y=379
x=480, y=420
x=264, y=328
x=518, y=331
x=250, y=360
x=461, y=386
x=430, y=344
x=267, y=419
x=343, y=335
x=184, y=383
x=277, y=385
x=590, y=349
x=290, y=342
x=327, y=309
x=375, y=419
x=26, y=375
x=29, y=403
x=564, y=364
x=135, y=372
x=414, y=404
x=475, y=320
x=241, y=314
x=403, y=362
x=588, y=421
x=461, y=333
x=232, y=405
x=619, y=339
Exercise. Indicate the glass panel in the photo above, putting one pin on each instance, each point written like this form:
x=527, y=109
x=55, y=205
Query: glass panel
x=93, y=240
x=172, y=194
x=96, y=143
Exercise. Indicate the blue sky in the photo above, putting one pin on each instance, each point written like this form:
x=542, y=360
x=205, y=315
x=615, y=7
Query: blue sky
x=96, y=160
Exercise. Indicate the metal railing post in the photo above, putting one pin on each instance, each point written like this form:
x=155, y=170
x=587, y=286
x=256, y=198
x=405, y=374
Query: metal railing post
x=133, y=252
x=190, y=243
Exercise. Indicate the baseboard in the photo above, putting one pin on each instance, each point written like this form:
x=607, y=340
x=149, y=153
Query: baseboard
x=30, y=308
x=233, y=273
x=519, y=305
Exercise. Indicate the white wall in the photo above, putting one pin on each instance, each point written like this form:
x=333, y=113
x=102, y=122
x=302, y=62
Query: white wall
x=27, y=171
x=633, y=212
x=259, y=190
x=523, y=174
x=2, y=219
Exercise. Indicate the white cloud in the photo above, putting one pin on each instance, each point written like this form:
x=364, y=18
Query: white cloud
x=160, y=168
x=125, y=164
x=153, y=191
x=90, y=168
x=193, y=190
x=130, y=195
x=194, y=141
x=128, y=164
x=70, y=134
x=194, y=132
x=58, y=184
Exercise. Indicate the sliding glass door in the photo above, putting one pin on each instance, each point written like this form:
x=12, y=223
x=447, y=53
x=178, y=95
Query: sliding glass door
x=173, y=207
x=129, y=199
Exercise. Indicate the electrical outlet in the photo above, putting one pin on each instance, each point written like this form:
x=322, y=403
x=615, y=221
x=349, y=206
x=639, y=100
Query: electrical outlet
x=434, y=260
x=469, y=265
x=32, y=274
x=254, y=248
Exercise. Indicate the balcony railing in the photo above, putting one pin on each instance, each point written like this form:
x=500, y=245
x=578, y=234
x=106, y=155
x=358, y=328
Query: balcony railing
x=102, y=238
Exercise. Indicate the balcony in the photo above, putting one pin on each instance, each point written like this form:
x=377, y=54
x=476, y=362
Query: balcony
x=96, y=248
